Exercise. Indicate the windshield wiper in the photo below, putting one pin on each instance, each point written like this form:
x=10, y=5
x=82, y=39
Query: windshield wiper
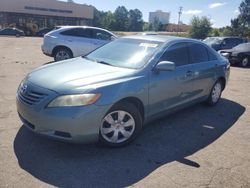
x=85, y=57
x=103, y=62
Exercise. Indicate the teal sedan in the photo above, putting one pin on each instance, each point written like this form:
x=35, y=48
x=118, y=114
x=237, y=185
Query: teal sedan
x=109, y=94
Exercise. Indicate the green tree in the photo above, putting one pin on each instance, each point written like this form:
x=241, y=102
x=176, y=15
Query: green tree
x=240, y=26
x=201, y=27
x=135, y=20
x=121, y=19
x=215, y=32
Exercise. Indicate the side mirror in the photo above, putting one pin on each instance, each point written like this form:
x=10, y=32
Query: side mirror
x=112, y=38
x=165, y=66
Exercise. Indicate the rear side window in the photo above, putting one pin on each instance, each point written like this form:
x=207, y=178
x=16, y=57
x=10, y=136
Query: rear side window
x=79, y=32
x=198, y=53
x=178, y=53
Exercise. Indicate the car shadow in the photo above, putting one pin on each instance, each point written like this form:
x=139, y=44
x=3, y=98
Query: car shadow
x=169, y=139
x=50, y=62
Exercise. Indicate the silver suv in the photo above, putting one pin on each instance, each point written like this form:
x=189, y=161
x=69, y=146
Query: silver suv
x=71, y=41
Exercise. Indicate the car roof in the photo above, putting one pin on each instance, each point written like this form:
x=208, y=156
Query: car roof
x=161, y=38
x=226, y=37
x=62, y=27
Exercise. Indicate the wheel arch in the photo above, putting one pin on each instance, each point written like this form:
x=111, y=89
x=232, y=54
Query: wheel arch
x=135, y=101
x=59, y=47
x=223, y=81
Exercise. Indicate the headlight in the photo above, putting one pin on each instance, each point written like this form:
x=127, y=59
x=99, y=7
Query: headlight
x=74, y=100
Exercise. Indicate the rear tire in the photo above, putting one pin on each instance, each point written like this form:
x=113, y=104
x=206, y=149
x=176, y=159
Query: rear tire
x=121, y=125
x=215, y=94
x=62, y=54
x=244, y=62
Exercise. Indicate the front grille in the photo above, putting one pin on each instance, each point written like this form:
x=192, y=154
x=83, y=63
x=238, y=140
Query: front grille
x=31, y=97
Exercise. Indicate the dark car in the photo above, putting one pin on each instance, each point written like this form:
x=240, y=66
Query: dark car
x=44, y=31
x=221, y=43
x=239, y=55
x=12, y=32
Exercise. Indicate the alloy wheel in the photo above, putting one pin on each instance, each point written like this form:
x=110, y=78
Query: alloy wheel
x=117, y=126
x=216, y=93
x=62, y=55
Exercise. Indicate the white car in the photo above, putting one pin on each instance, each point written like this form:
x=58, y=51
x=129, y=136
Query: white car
x=72, y=41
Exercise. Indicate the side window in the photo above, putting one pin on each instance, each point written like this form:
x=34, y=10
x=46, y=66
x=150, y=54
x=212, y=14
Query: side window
x=6, y=31
x=198, y=53
x=87, y=33
x=79, y=32
x=72, y=32
x=101, y=35
x=228, y=42
x=178, y=53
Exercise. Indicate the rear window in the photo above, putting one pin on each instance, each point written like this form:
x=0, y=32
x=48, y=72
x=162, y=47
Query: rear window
x=198, y=53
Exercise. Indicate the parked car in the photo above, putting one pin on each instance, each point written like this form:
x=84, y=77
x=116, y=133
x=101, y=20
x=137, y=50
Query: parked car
x=43, y=31
x=148, y=33
x=73, y=41
x=110, y=93
x=239, y=55
x=221, y=43
x=12, y=32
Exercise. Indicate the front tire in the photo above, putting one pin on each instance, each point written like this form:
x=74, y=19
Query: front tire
x=62, y=54
x=215, y=94
x=120, y=125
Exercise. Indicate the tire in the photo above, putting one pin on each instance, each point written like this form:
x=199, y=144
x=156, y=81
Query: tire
x=244, y=62
x=62, y=54
x=215, y=94
x=115, y=132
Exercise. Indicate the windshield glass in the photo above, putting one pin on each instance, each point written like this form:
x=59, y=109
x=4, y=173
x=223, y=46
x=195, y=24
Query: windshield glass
x=212, y=40
x=128, y=53
x=243, y=47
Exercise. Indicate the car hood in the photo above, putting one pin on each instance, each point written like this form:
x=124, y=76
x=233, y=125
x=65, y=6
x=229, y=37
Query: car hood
x=227, y=51
x=75, y=74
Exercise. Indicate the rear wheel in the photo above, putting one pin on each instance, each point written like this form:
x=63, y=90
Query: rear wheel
x=245, y=62
x=215, y=94
x=62, y=54
x=120, y=125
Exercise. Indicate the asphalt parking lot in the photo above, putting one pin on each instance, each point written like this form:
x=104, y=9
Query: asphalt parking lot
x=197, y=147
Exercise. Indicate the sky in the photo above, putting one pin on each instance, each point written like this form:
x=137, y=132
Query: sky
x=220, y=12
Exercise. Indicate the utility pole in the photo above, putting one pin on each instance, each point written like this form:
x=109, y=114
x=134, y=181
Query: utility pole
x=179, y=18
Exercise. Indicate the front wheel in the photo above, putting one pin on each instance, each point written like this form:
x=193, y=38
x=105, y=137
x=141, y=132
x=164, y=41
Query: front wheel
x=120, y=125
x=62, y=54
x=244, y=62
x=215, y=94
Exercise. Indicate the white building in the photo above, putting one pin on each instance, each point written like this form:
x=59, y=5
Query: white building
x=163, y=17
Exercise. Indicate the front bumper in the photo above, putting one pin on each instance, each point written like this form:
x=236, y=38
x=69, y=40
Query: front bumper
x=73, y=124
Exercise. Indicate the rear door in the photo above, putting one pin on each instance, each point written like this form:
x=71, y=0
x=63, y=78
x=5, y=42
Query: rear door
x=168, y=89
x=204, y=66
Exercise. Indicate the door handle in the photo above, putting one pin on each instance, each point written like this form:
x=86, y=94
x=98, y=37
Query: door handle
x=189, y=73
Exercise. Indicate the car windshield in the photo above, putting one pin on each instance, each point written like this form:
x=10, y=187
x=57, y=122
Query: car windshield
x=212, y=40
x=243, y=47
x=127, y=53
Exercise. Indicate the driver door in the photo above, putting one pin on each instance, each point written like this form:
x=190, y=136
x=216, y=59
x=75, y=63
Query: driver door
x=169, y=89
